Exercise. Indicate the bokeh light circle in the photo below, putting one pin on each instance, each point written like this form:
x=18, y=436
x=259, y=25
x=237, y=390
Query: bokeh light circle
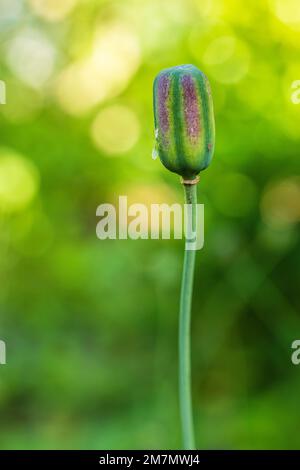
x=288, y=11
x=101, y=75
x=19, y=181
x=115, y=129
x=52, y=10
x=227, y=59
x=31, y=57
x=280, y=204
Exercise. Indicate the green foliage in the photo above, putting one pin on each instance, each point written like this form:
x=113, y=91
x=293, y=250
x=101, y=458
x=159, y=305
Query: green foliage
x=90, y=325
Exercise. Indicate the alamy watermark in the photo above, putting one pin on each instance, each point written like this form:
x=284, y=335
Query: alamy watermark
x=295, y=357
x=295, y=94
x=2, y=92
x=2, y=352
x=164, y=221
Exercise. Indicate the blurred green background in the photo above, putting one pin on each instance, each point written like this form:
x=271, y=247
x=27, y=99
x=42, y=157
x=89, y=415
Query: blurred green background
x=91, y=326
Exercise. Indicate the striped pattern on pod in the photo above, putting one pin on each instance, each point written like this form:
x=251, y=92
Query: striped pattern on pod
x=184, y=120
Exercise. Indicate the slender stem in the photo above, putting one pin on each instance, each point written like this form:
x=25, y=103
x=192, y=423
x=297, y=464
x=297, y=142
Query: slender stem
x=185, y=395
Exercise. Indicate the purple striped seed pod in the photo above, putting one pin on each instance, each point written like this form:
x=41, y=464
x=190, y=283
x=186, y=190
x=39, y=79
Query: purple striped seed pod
x=184, y=120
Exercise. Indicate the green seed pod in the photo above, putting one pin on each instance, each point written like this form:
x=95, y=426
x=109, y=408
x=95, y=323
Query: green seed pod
x=184, y=120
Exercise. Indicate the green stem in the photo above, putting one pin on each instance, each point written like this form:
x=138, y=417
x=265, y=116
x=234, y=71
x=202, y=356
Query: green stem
x=185, y=395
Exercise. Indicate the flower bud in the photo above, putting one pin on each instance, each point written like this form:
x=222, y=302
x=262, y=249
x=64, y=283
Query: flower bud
x=184, y=120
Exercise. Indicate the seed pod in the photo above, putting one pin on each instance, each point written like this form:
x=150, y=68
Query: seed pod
x=184, y=120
